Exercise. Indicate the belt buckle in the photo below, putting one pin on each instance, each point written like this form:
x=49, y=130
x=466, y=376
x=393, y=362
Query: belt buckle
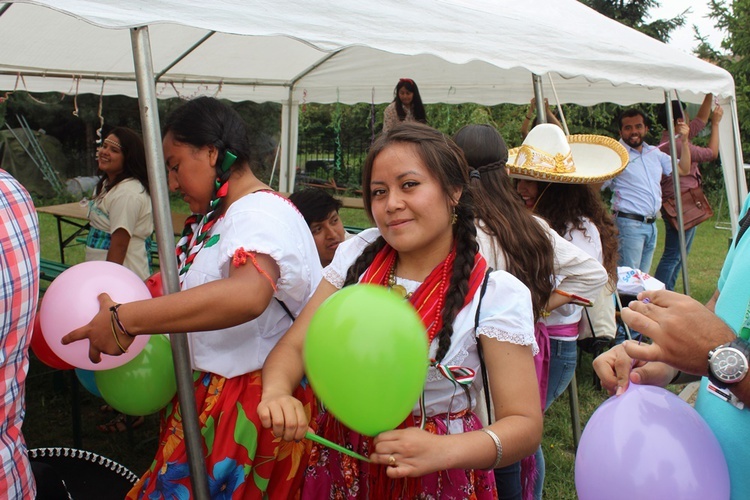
x=649, y=220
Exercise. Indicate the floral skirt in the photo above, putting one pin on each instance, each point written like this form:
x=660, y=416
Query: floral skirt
x=333, y=475
x=243, y=460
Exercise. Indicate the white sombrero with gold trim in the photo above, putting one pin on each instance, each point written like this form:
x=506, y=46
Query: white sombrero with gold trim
x=547, y=155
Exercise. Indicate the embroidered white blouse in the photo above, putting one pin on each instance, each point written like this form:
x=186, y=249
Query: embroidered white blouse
x=506, y=315
x=263, y=223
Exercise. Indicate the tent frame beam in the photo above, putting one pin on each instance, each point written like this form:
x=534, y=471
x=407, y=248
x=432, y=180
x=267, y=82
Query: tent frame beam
x=184, y=55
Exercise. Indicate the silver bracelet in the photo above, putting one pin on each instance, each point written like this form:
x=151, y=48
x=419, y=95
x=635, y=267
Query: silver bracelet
x=498, y=446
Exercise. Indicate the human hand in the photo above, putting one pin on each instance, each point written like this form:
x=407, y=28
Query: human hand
x=532, y=104
x=616, y=369
x=101, y=333
x=717, y=114
x=285, y=414
x=683, y=331
x=683, y=131
x=415, y=452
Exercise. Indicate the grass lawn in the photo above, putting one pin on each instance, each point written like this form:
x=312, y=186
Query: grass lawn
x=49, y=392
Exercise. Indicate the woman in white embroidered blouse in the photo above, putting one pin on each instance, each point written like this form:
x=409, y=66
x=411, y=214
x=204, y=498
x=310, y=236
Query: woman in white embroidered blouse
x=416, y=190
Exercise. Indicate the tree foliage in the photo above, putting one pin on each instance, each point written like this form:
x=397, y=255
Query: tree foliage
x=635, y=14
x=732, y=18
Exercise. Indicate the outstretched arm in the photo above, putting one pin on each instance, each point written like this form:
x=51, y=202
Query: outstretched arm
x=684, y=164
x=705, y=109
x=713, y=141
x=223, y=303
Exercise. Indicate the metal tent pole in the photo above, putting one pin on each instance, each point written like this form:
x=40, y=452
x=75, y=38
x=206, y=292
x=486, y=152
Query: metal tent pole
x=144, y=72
x=677, y=191
x=541, y=112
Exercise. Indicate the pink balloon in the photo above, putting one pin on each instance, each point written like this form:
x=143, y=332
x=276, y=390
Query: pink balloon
x=71, y=302
x=649, y=444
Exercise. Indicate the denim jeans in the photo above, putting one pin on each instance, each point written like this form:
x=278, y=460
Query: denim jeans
x=637, y=243
x=508, y=481
x=562, y=365
x=563, y=356
x=671, y=260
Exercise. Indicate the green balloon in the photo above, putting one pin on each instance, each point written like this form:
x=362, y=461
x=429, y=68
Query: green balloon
x=144, y=384
x=366, y=356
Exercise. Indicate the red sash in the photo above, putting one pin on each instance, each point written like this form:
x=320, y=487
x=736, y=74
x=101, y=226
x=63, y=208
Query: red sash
x=429, y=298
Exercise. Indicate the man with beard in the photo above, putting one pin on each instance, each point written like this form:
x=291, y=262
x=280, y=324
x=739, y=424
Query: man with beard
x=636, y=193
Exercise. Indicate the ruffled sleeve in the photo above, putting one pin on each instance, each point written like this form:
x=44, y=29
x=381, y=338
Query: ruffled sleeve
x=506, y=312
x=346, y=255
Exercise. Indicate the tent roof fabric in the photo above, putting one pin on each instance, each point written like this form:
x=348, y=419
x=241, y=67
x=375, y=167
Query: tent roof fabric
x=297, y=51
x=343, y=51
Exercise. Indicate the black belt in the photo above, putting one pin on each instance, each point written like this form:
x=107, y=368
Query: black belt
x=639, y=218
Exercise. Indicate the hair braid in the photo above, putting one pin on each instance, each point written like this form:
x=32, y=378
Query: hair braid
x=188, y=247
x=363, y=261
x=466, y=250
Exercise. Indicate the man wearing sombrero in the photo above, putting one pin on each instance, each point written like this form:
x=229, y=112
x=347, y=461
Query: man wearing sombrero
x=636, y=193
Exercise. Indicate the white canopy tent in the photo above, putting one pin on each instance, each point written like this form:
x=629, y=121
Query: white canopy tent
x=296, y=51
x=343, y=51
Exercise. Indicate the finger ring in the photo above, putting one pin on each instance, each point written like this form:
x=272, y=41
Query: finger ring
x=391, y=461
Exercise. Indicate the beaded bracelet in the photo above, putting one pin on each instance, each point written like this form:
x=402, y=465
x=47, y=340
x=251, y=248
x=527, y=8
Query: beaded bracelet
x=114, y=334
x=116, y=318
x=498, y=446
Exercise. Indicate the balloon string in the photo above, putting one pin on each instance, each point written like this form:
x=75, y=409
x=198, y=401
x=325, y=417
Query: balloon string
x=320, y=440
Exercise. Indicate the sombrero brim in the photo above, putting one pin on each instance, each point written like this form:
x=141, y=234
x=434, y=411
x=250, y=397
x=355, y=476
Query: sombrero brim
x=597, y=158
x=86, y=475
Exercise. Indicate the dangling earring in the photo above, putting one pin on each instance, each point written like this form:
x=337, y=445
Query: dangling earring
x=454, y=217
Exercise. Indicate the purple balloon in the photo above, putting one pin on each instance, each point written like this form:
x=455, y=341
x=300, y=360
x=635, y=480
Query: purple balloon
x=649, y=444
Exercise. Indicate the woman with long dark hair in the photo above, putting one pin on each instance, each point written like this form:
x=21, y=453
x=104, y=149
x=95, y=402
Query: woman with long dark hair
x=120, y=212
x=514, y=240
x=416, y=191
x=406, y=105
x=574, y=209
x=247, y=264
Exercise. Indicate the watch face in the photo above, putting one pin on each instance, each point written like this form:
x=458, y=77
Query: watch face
x=729, y=364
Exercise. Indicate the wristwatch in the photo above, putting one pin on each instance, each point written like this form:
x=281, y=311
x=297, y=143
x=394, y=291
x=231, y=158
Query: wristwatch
x=728, y=363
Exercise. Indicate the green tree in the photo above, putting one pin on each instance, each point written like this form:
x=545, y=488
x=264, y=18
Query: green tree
x=733, y=18
x=635, y=13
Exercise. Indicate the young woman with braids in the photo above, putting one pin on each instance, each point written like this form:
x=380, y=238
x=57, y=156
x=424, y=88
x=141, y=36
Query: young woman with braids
x=416, y=191
x=406, y=105
x=247, y=264
x=512, y=239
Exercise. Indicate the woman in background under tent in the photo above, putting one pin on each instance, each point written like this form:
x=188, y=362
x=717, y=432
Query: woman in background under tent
x=406, y=105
